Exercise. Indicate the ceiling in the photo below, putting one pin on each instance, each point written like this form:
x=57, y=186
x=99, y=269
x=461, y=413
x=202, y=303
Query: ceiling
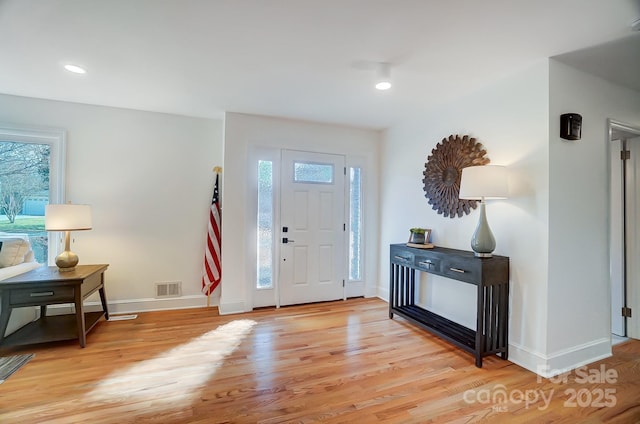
x=302, y=59
x=617, y=61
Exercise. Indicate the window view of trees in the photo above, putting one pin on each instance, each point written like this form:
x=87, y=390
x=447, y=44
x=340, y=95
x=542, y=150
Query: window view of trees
x=24, y=191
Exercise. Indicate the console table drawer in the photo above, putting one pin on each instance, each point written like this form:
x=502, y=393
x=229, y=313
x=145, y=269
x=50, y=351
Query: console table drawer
x=427, y=264
x=461, y=270
x=402, y=257
x=53, y=294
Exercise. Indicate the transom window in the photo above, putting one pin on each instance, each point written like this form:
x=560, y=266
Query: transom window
x=316, y=173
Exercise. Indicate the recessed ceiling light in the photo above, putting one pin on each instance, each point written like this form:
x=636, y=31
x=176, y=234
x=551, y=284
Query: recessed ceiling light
x=75, y=69
x=383, y=77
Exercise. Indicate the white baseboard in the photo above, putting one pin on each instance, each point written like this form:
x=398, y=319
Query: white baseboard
x=576, y=356
x=354, y=289
x=227, y=308
x=138, y=305
x=383, y=293
x=565, y=360
x=526, y=358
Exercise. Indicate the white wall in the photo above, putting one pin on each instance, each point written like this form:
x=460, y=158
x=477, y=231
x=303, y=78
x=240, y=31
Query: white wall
x=245, y=131
x=510, y=119
x=579, y=291
x=149, y=179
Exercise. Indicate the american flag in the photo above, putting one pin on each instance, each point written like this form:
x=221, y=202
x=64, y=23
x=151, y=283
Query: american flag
x=212, y=257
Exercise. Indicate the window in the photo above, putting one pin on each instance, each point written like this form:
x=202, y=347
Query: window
x=355, y=224
x=265, y=225
x=318, y=173
x=31, y=176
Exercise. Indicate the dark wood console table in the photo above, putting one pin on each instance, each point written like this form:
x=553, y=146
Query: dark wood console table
x=490, y=275
x=47, y=286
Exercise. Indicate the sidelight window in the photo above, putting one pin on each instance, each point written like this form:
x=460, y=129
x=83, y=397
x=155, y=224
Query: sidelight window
x=355, y=224
x=265, y=225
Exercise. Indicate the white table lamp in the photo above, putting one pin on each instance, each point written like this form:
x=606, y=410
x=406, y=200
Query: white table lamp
x=67, y=218
x=483, y=183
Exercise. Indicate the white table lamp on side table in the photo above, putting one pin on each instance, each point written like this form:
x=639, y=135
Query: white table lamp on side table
x=67, y=217
x=483, y=183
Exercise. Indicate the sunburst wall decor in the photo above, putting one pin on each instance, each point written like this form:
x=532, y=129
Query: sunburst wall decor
x=442, y=173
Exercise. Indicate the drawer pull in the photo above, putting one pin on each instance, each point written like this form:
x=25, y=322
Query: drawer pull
x=400, y=258
x=41, y=294
x=461, y=271
x=427, y=263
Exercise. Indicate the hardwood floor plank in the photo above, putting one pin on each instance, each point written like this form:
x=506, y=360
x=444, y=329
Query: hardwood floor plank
x=336, y=362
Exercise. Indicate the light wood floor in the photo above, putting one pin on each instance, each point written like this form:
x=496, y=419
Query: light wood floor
x=334, y=362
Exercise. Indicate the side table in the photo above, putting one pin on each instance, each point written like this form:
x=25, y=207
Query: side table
x=489, y=275
x=47, y=286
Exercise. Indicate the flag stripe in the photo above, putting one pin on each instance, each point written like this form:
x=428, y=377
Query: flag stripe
x=212, y=271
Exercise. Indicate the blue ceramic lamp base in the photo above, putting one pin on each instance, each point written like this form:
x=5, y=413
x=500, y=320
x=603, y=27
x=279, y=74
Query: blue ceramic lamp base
x=483, y=243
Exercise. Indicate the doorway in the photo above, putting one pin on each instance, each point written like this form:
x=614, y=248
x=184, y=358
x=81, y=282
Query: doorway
x=624, y=148
x=307, y=227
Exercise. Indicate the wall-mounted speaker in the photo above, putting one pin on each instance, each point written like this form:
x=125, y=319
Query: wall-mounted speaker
x=570, y=126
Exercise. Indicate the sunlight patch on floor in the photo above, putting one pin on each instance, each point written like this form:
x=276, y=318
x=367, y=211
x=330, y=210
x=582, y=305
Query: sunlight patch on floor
x=174, y=374
x=167, y=382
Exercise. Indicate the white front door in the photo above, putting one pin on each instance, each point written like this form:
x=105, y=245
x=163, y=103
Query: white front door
x=312, y=230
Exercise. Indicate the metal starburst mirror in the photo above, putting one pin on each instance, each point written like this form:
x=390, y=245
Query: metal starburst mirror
x=443, y=170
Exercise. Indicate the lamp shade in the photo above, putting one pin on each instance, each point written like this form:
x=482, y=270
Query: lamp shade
x=67, y=217
x=489, y=182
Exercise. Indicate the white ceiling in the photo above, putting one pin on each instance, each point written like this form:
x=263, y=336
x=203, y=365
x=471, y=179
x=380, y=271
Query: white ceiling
x=617, y=61
x=301, y=59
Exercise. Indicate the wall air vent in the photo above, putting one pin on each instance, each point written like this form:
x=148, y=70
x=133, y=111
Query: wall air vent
x=169, y=289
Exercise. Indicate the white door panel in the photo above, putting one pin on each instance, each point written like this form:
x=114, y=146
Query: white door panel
x=633, y=237
x=616, y=233
x=312, y=266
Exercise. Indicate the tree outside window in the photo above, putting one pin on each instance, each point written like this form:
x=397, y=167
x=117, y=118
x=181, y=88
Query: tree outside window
x=24, y=191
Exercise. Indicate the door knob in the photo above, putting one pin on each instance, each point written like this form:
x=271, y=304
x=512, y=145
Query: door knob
x=286, y=240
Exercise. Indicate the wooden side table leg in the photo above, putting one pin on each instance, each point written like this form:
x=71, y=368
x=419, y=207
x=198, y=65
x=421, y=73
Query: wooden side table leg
x=5, y=314
x=82, y=334
x=103, y=300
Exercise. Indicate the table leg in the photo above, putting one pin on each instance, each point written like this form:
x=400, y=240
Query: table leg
x=5, y=314
x=480, y=326
x=103, y=300
x=392, y=284
x=82, y=334
x=505, y=320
